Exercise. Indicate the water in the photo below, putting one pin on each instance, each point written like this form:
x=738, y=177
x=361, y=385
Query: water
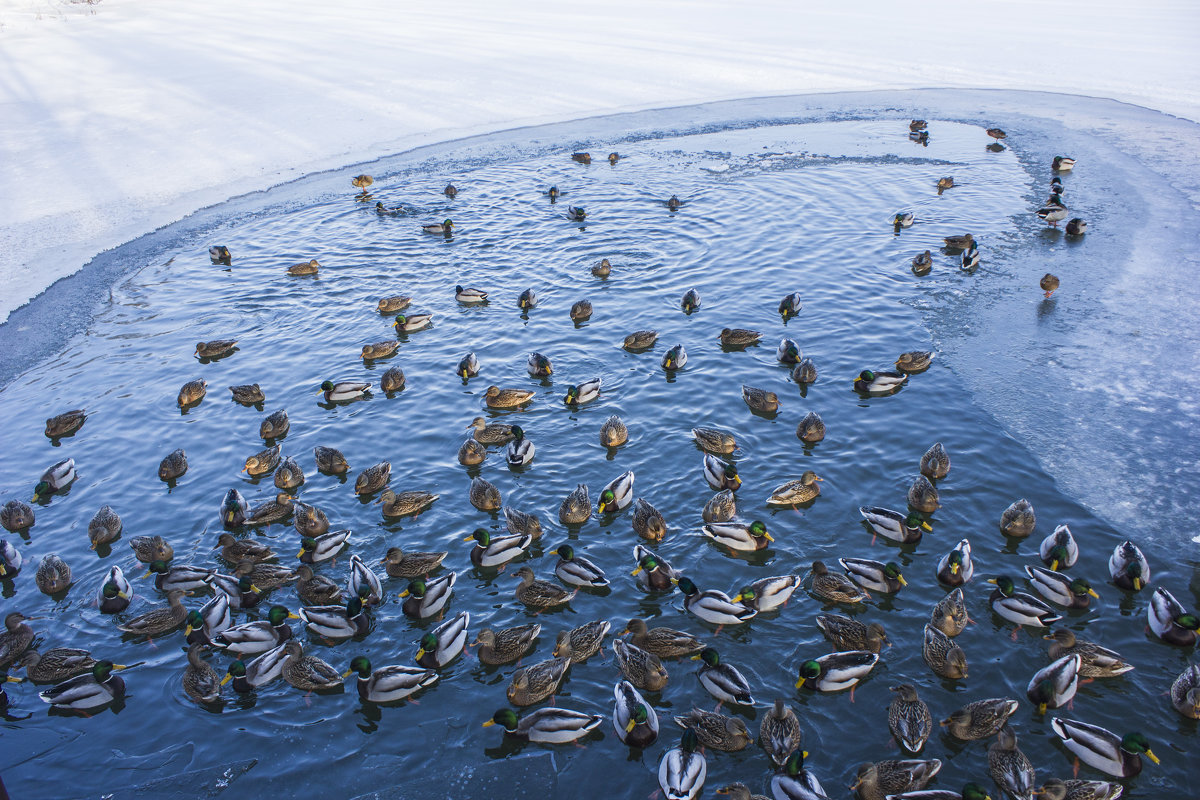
x=767, y=211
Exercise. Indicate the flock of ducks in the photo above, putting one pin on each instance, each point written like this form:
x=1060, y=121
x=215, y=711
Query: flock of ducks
x=262, y=650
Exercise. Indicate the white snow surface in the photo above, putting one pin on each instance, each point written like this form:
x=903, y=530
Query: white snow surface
x=120, y=116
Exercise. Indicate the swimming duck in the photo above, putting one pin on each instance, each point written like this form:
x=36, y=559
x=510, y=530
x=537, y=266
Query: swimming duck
x=234, y=510
x=104, y=527
x=714, y=440
x=179, y=577
x=307, y=672
x=215, y=348
x=1054, y=686
x=528, y=298
x=944, y=657
x=148, y=549
x=392, y=380
x=492, y=551
x=834, y=587
x=405, y=504
x=870, y=382
x=315, y=549
x=495, y=397
x=428, y=598
x=894, y=778
x=1076, y=227
x=970, y=259
x=914, y=360
x=720, y=508
x=115, y=592
x=1169, y=621
x=739, y=536
x=160, y=620
x=1120, y=757
x=950, y=614
x=393, y=303
x=922, y=263
x=337, y=622
x=790, y=306
x=905, y=529
x=373, y=478
x=582, y=158
x=483, y=495
x=956, y=567
x=1059, y=550
x=495, y=433
x=379, y=350
x=83, y=692
x=980, y=719
x=903, y=219
x=507, y=645
x=738, y=337
x=713, y=606
x=909, y=719
x=654, y=574
x=16, y=639
x=575, y=570
x=450, y=191
x=388, y=684
x=471, y=453
x=539, y=594
x=211, y=620
x=407, y=323
x=267, y=577
x=788, y=352
x=811, y=429
x=1055, y=789
x=935, y=464
x=923, y=495
x=796, y=782
x=1060, y=588
x=963, y=242
x=1185, y=692
x=920, y=137
x=617, y=494
x=10, y=560
x=1062, y=164
x=1018, y=519
x=445, y=227
x=310, y=267
x=760, y=400
x=716, y=730
x=310, y=521
x=602, y=268
x=875, y=575
x=271, y=511
x=55, y=665
x=836, y=671
x=674, y=203
x=546, y=725
x=641, y=668
x=681, y=770
x=289, y=475
x=536, y=682
x=691, y=301
x=538, y=366
x=365, y=584
x=675, y=358
x=634, y=719
x=173, y=466
x=1095, y=661
x=576, y=213
x=55, y=479
x=16, y=516
x=259, y=672
x=585, y=392
x=613, y=158
x=1053, y=212
x=1049, y=284
x=793, y=493
x=520, y=450
x=263, y=462
x=582, y=642
x=723, y=681
x=581, y=310
x=576, y=507
x=662, y=642
x=443, y=644
x=779, y=733
x=258, y=636
x=316, y=590
x=648, y=523
x=1009, y=767
x=720, y=475
x=1018, y=607
x=344, y=391
x=53, y=575
x=944, y=183
x=1128, y=567
x=219, y=254
x=640, y=340
x=847, y=634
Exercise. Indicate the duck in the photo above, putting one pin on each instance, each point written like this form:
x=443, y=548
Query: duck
x=640, y=340
x=716, y=730
x=337, y=622
x=200, y=681
x=310, y=267
x=445, y=227
x=173, y=466
x=1049, y=284
x=795, y=782
x=148, y=549
x=1009, y=767
x=739, y=536
x=970, y=259
x=788, y=352
x=723, y=681
x=903, y=219
x=654, y=574
x=760, y=400
x=811, y=429
x=55, y=479
x=922, y=263
x=1019, y=608
x=1060, y=588
x=362, y=182
x=1053, y=212
x=634, y=720
x=576, y=507
x=980, y=719
x=443, y=644
x=885, y=578
x=1018, y=519
x=713, y=606
x=364, y=583
x=495, y=397
x=959, y=242
x=343, y=391
x=392, y=303
x=914, y=360
x=836, y=671
x=585, y=392
x=1119, y=756
x=690, y=301
x=1055, y=789
x=956, y=567
x=158, y=621
x=790, y=305
x=257, y=636
x=181, y=577
x=802, y=490
x=469, y=295
x=259, y=672
x=468, y=367
x=53, y=574
x=10, y=560
x=923, y=495
x=779, y=733
x=902, y=528
x=950, y=613
x=738, y=337
x=944, y=657
x=483, y=495
x=496, y=551
x=647, y=522
x=219, y=254
x=917, y=125
x=401, y=564
x=315, y=549
x=602, y=268
x=894, y=778
x=263, y=462
x=870, y=382
x=662, y=642
x=471, y=453
x=1076, y=227
x=1054, y=686
x=1169, y=621
x=104, y=527
x=945, y=183
x=379, y=350
x=582, y=642
x=581, y=310
x=507, y=645
x=409, y=503
x=767, y=594
x=1059, y=550
x=675, y=358
x=234, y=510
x=307, y=672
x=576, y=213
x=538, y=366
x=373, y=478
x=909, y=719
x=847, y=634
x=714, y=440
x=16, y=516
x=55, y=665
x=191, y=393
x=428, y=598
x=997, y=134
x=1056, y=185
x=310, y=521
x=407, y=323
x=539, y=594
x=935, y=463
x=674, y=203
x=1185, y=692
x=528, y=299
x=450, y=191
x=289, y=475
x=1095, y=661
x=834, y=587
x=721, y=507
x=536, y=682
x=582, y=158
x=215, y=348
x=547, y=725
x=1128, y=567
x=520, y=450
x=1062, y=164
x=388, y=684
x=16, y=639
x=84, y=692
x=616, y=494
x=115, y=592
x=575, y=570
x=316, y=590
x=682, y=770
x=720, y=475
x=212, y=619
x=495, y=433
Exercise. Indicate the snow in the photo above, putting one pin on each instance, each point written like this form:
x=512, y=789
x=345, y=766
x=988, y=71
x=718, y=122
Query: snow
x=121, y=116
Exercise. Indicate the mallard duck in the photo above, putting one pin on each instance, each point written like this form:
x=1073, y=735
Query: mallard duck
x=674, y=203
x=173, y=466
x=1185, y=692
x=405, y=503
x=55, y=479
x=581, y=643
x=540, y=594
x=65, y=424
x=234, y=510
x=923, y=495
x=401, y=564
x=104, y=527
x=905, y=529
x=945, y=183
x=714, y=440
x=793, y=493
x=888, y=778
x=648, y=523
x=520, y=450
x=944, y=657
x=507, y=645
x=471, y=453
x=547, y=725
x=316, y=590
x=1018, y=519
x=634, y=719
x=582, y=158
x=1128, y=567
x=428, y=598
x=716, y=730
x=450, y=191
x=259, y=672
x=1056, y=185
x=642, y=668
x=903, y=219
x=53, y=574
x=956, y=567
x=468, y=367
x=263, y=462
x=1059, y=550
x=55, y=665
x=662, y=642
x=909, y=719
x=393, y=303
x=602, y=268
x=521, y=524
x=917, y=125
x=315, y=549
x=337, y=622
x=496, y=551
x=495, y=433
x=149, y=549
x=811, y=429
x=388, y=684
x=935, y=463
x=528, y=299
x=1060, y=588
x=248, y=394
x=330, y=461
x=1120, y=757
x=536, y=682
x=834, y=587
x=408, y=323
x=720, y=475
x=495, y=397
x=675, y=358
x=836, y=671
x=1055, y=789
x=767, y=594
x=1169, y=621
x=1054, y=686
x=690, y=301
x=1019, y=608
x=16, y=516
x=581, y=310
x=16, y=638
x=469, y=295
x=796, y=782
x=576, y=570
x=310, y=267
x=720, y=508
x=920, y=137
x=760, y=400
x=289, y=475
x=1076, y=227
x=739, y=536
x=962, y=242
x=310, y=521
x=1009, y=767
x=914, y=361
x=1053, y=212
x=779, y=733
x=362, y=182
x=1095, y=661
x=738, y=337
x=980, y=719
x=307, y=672
x=681, y=770
x=723, y=681
x=373, y=478
x=970, y=259
x=740, y=791
x=343, y=391
x=212, y=619
x=653, y=573
x=483, y=495
x=83, y=692
x=191, y=393
x=365, y=584
x=790, y=306
x=219, y=254
x=10, y=560
x=617, y=493
x=1049, y=283
x=713, y=606
x=215, y=348
x=788, y=352
x=950, y=614
x=885, y=578
x=847, y=634
x=922, y=263
x=379, y=350
x=159, y=620
x=178, y=577
x=640, y=340
x=115, y=592
x=443, y=644
x=576, y=213
x=445, y=227
x=257, y=636
x=200, y=681
x=869, y=382
x=1062, y=164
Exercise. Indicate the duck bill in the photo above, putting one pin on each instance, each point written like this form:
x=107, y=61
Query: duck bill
x=1092, y=592
x=290, y=614
x=902, y=581
x=926, y=526
x=488, y=724
x=404, y=593
x=635, y=572
x=301, y=554
x=799, y=683
x=1150, y=755
x=600, y=508
x=768, y=537
x=737, y=599
x=1041, y=709
x=228, y=677
x=954, y=569
x=420, y=654
x=12, y=679
x=990, y=580
x=469, y=539
x=347, y=674
x=1137, y=584
x=629, y=726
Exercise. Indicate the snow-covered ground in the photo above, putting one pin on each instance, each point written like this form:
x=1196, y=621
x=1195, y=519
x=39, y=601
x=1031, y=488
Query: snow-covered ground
x=120, y=116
